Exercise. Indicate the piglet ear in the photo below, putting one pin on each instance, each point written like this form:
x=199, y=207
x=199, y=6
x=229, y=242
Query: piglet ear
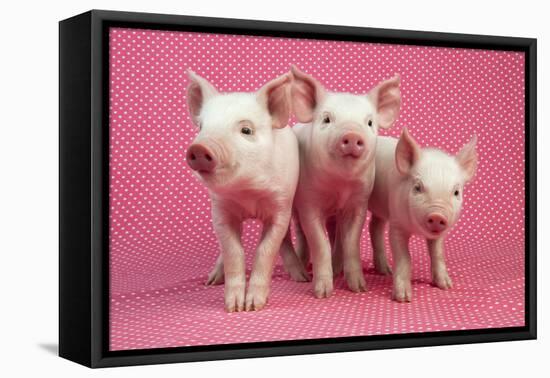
x=306, y=94
x=407, y=152
x=198, y=91
x=386, y=96
x=467, y=158
x=275, y=95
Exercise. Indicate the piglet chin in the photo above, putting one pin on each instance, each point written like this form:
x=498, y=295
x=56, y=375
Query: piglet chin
x=220, y=179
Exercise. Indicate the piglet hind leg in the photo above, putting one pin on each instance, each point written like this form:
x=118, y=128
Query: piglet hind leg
x=402, y=288
x=216, y=276
x=262, y=270
x=291, y=261
x=376, y=229
x=228, y=233
x=348, y=236
x=440, y=276
x=336, y=245
x=302, y=250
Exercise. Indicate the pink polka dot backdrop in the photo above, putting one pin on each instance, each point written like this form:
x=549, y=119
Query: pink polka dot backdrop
x=162, y=244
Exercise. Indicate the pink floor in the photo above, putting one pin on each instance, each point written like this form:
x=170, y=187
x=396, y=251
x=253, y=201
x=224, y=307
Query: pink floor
x=161, y=241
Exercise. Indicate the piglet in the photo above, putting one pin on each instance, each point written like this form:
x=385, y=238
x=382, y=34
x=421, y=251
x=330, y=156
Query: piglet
x=247, y=157
x=337, y=139
x=418, y=191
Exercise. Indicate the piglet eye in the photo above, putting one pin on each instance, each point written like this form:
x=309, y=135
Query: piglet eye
x=246, y=131
x=457, y=193
x=418, y=188
x=326, y=119
x=369, y=123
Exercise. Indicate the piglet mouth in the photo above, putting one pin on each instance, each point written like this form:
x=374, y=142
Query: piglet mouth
x=431, y=234
x=352, y=155
x=207, y=174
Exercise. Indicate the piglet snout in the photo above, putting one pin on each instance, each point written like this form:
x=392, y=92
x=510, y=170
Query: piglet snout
x=436, y=223
x=201, y=158
x=352, y=144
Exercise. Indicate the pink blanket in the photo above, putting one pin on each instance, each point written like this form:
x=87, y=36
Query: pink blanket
x=161, y=241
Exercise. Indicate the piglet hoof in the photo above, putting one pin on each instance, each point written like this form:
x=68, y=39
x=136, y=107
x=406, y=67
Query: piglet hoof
x=402, y=291
x=322, y=287
x=443, y=281
x=383, y=269
x=215, y=277
x=356, y=281
x=234, y=298
x=256, y=297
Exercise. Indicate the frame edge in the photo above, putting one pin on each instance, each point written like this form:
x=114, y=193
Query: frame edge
x=75, y=336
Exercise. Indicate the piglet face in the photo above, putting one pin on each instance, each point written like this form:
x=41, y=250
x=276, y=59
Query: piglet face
x=235, y=133
x=434, y=184
x=344, y=126
x=344, y=129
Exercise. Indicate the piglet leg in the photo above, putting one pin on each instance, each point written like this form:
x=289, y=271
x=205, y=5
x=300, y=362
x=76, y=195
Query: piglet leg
x=440, y=276
x=291, y=262
x=335, y=242
x=215, y=277
x=376, y=229
x=228, y=232
x=399, y=241
x=262, y=269
x=348, y=236
x=314, y=229
x=302, y=249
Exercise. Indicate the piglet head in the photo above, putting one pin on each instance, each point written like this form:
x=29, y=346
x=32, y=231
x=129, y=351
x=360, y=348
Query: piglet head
x=235, y=135
x=344, y=126
x=433, y=183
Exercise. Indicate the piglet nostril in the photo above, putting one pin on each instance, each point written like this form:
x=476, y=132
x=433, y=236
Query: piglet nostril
x=430, y=220
x=208, y=157
x=346, y=141
x=192, y=157
x=360, y=143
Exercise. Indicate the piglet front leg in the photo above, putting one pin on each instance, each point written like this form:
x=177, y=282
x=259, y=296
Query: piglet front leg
x=440, y=276
x=228, y=232
x=313, y=225
x=399, y=241
x=260, y=278
x=262, y=270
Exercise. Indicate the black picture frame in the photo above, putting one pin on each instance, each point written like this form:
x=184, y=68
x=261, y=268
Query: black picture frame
x=84, y=190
